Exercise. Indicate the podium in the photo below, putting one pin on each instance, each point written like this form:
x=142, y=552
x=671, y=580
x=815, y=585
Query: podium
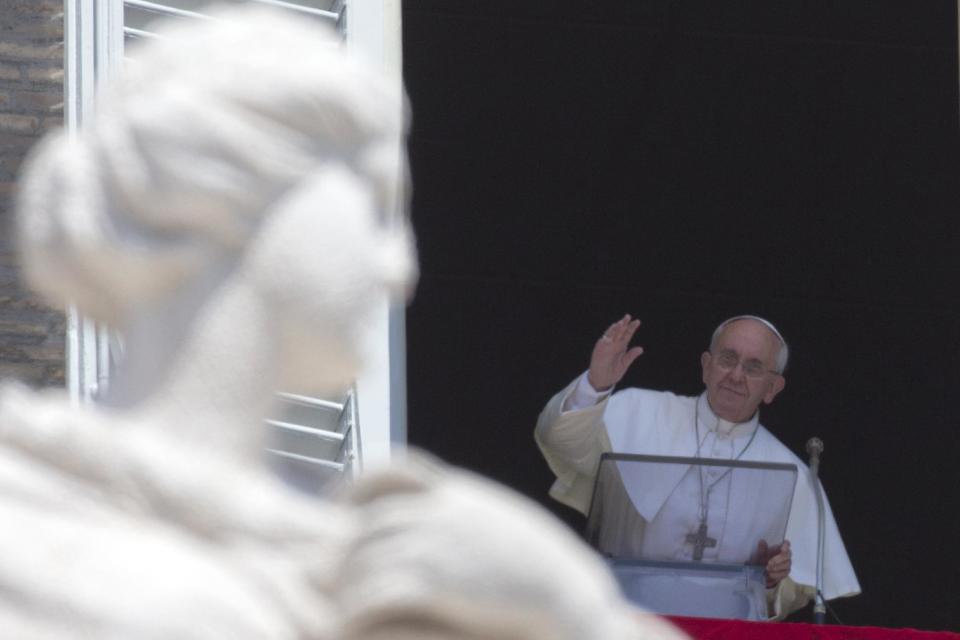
x=682, y=535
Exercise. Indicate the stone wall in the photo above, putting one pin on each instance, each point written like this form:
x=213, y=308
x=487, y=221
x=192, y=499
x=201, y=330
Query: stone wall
x=31, y=102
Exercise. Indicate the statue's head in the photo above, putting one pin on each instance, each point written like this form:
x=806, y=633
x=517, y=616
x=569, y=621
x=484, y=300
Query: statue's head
x=248, y=145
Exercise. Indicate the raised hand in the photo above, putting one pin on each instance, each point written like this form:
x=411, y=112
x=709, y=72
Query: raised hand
x=611, y=357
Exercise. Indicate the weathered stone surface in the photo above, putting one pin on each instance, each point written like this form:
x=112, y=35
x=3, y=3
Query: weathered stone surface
x=12, y=145
x=13, y=25
x=14, y=298
x=9, y=166
x=34, y=374
x=31, y=96
x=19, y=124
x=46, y=74
x=37, y=101
x=17, y=11
x=8, y=275
x=26, y=308
x=51, y=122
x=28, y=372
x=28, y=52
x=12, y=350
x=12, y=326
x=9, y=71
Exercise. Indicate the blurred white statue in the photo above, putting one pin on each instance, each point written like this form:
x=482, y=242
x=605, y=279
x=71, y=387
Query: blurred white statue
x=229, y=209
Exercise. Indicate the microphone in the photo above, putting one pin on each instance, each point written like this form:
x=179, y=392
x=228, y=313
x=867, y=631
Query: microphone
x=815, y=448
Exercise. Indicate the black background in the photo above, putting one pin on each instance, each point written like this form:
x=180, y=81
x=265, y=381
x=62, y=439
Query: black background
x=684, y=161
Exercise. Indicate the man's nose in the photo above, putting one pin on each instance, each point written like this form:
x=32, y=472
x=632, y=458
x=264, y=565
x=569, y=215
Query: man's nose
x=736, y=374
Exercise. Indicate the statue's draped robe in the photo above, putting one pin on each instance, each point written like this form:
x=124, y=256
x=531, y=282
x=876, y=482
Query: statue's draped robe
x=118, y=530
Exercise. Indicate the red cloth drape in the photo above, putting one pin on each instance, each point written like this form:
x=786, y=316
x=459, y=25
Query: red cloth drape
x=711, y=629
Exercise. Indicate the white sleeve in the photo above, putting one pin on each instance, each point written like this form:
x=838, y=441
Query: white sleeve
x=787, y=597
x=584, y=395
x=572, y=442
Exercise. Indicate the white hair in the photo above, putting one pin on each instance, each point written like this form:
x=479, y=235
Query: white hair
x=783, y=354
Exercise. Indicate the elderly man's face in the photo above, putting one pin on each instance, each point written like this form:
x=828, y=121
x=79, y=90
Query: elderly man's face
x=738, y=372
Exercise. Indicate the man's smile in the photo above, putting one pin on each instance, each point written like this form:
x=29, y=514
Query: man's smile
x=735, y=392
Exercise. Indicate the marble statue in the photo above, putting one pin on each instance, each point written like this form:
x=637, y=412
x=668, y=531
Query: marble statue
x=232, y=209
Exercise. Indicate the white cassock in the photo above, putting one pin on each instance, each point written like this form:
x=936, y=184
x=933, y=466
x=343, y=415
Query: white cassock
x=578, y=425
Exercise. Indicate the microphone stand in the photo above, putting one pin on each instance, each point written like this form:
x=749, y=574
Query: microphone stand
x=815, y=448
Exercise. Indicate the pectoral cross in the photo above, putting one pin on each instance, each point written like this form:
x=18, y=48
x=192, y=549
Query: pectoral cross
x=700, y=541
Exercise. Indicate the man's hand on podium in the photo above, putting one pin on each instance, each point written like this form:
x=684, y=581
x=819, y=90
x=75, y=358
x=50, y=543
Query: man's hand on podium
x=777, y=561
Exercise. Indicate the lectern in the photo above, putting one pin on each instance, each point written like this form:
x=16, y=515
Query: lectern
x=683, y=535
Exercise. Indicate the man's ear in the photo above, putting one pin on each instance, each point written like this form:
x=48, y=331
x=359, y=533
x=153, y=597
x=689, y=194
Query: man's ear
x=779, y=382
x=704, y=363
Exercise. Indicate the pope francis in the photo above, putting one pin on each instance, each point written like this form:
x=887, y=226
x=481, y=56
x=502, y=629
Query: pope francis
x=742, y=369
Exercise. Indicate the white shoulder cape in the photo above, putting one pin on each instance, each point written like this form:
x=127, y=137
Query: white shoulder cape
x=660, y=423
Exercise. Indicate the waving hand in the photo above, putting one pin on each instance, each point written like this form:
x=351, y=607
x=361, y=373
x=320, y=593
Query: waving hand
x=611, y=356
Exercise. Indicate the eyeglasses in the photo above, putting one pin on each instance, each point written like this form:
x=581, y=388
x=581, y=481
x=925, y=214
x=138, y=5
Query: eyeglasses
x=728, y=361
